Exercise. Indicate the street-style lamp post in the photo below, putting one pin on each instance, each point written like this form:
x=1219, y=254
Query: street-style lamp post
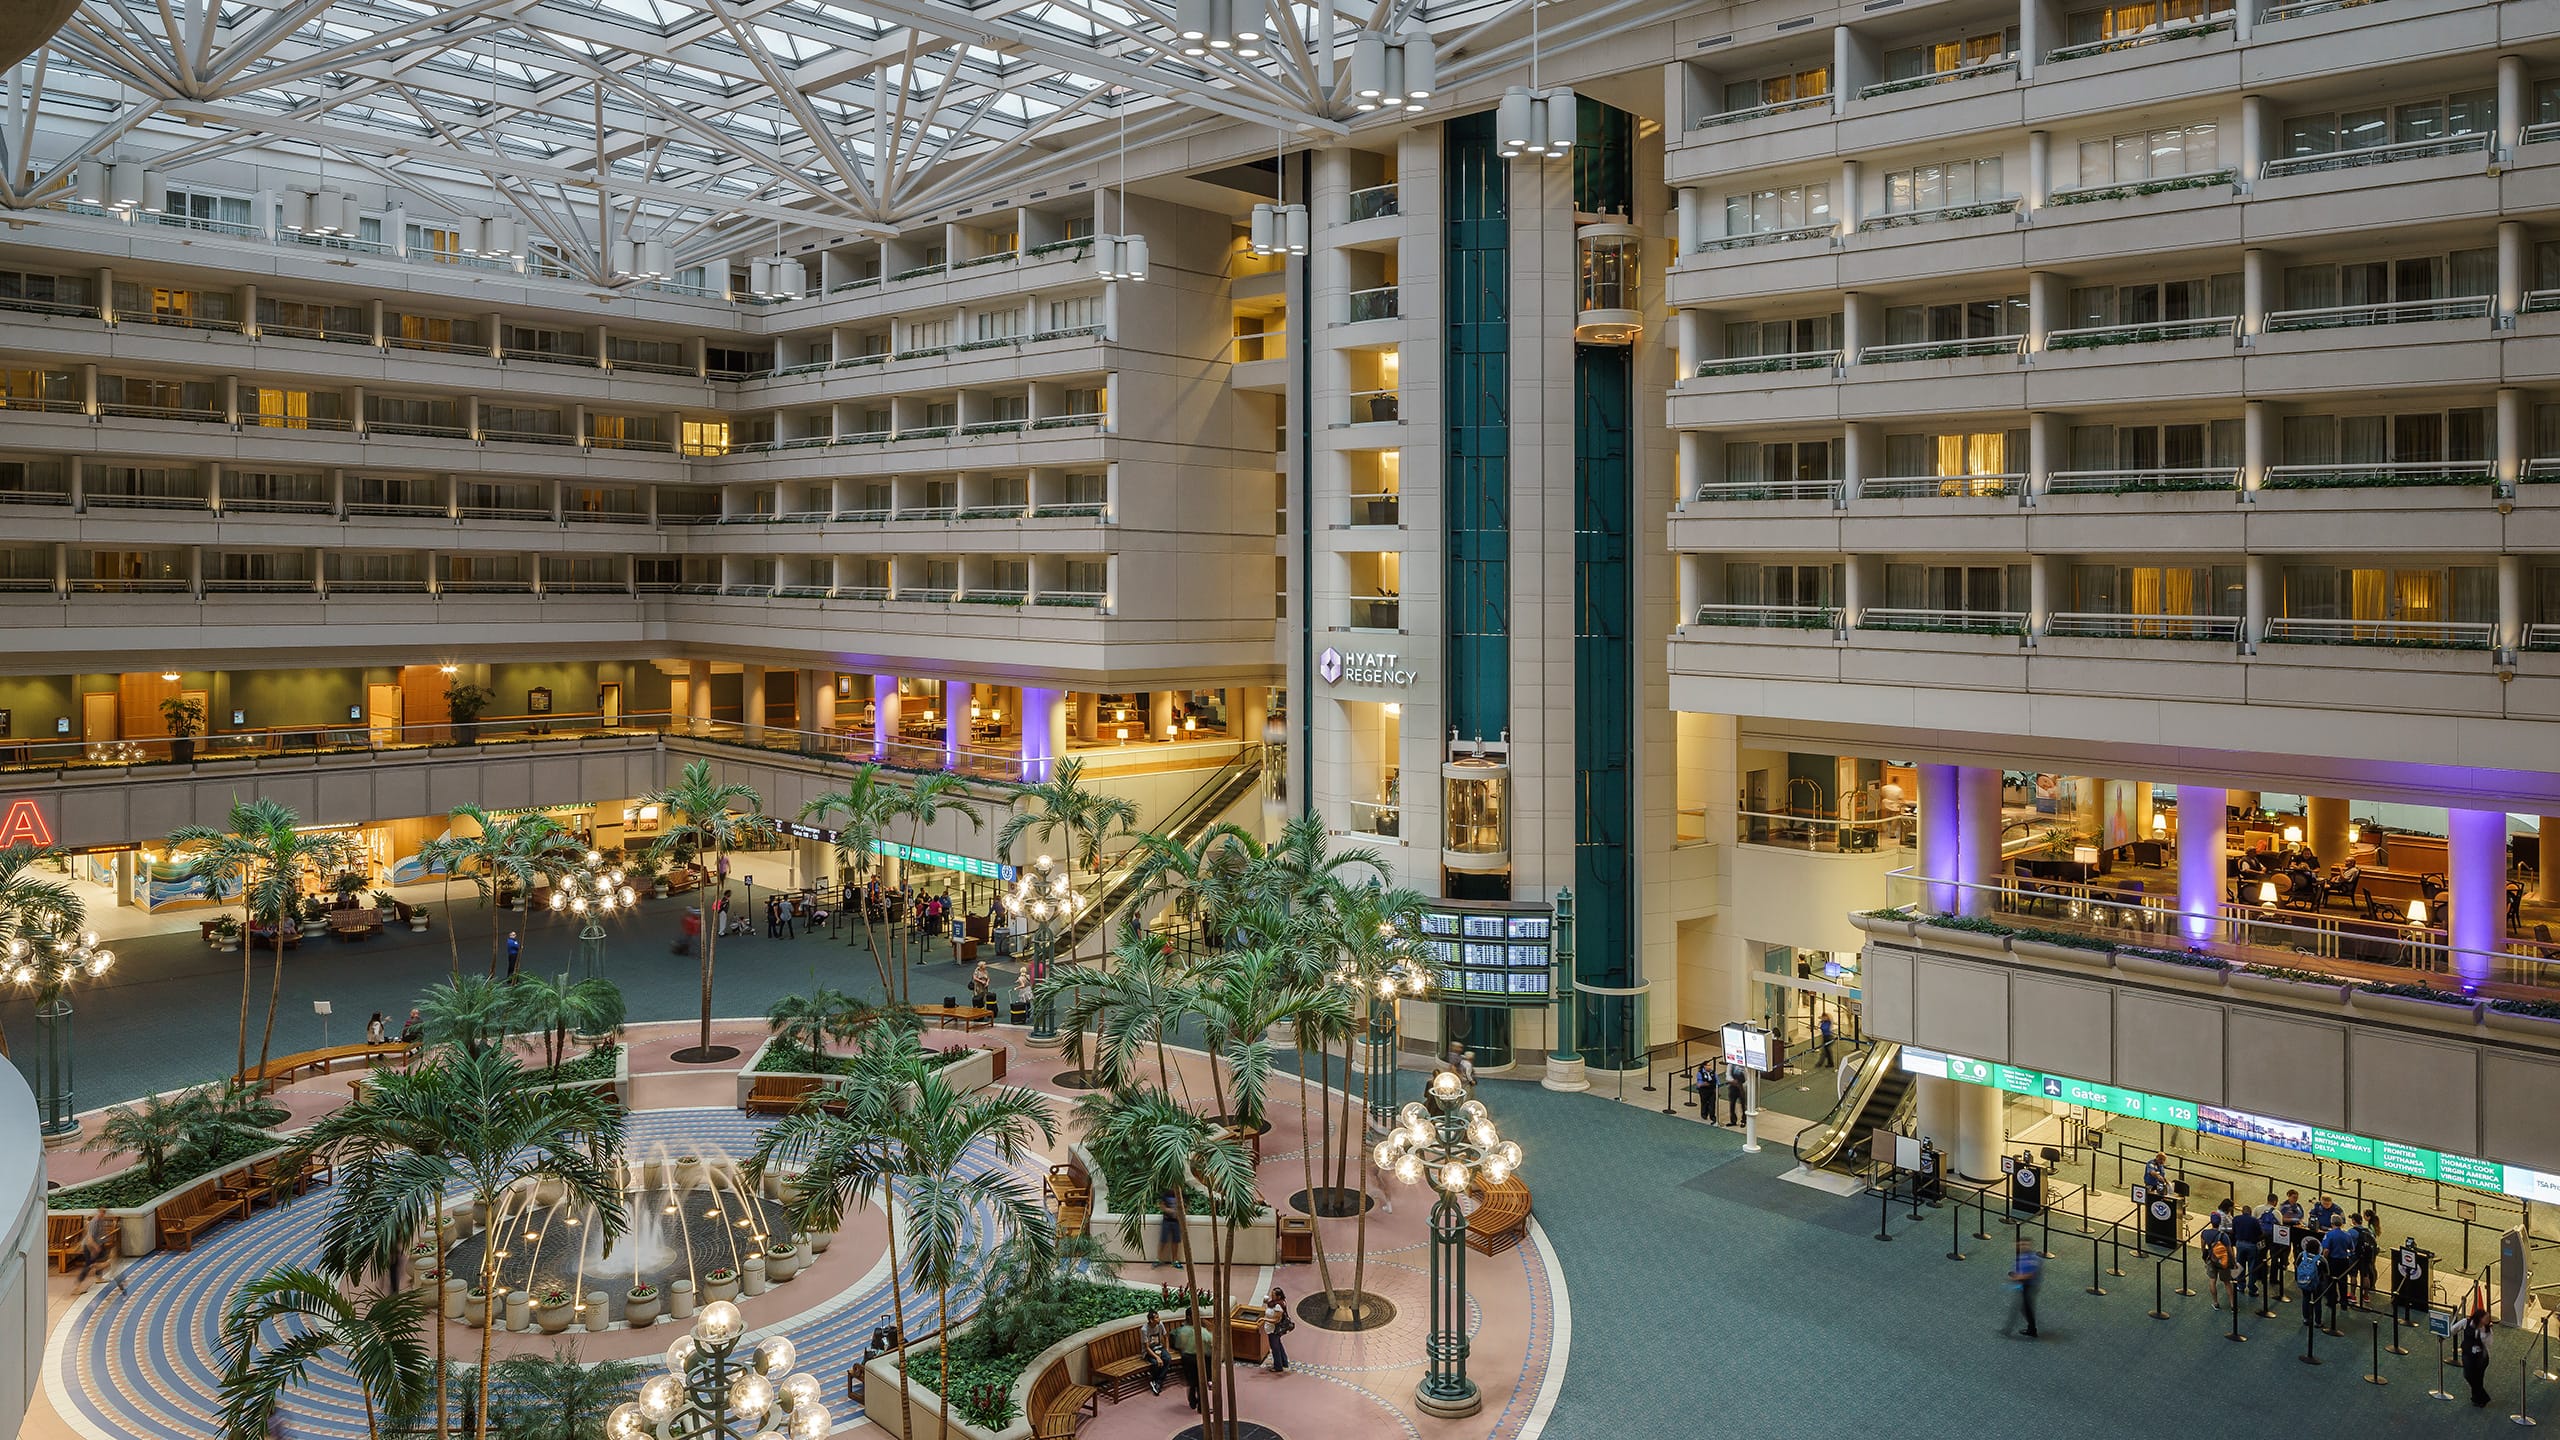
x=711, y=1393
x=592, y=891
x=1385, y=991
x=1043, y=898
x=1449, y=1151
x=45, y=959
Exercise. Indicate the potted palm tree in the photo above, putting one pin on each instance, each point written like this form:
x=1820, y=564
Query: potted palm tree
x=184, y=715
x=464, y=702
x=226, y=933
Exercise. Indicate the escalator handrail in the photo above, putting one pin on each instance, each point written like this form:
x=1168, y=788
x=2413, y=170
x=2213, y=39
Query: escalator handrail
x=1828, y=1134
x=1108, y=887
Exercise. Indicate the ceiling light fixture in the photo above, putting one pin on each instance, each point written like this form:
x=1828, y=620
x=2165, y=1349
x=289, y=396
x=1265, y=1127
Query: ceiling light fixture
x=1392, y=72
x=1534, y=121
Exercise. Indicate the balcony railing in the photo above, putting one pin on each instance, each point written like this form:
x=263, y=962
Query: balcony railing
x=1373, y=407
x=216, y=584
x=2403, y=634
x=1999, y=66
x=2099, y=337
x=1820, y=833
x=2090, y=194
x=1073, y=599
x=1370, y=612
x=1760, y=112
x=1767, y=237
x=1255, y=345
x=2402, y=312
x=2090, y=625
x=2375, y=154
x=2169, y=30
x=1380, y=818
x=2542, y=637
x=35, y=497
x=1959, y=622
x=271, y=330
x=1937, y=213
x=176, y=322
x=1936, y=487
x=98, y=501
x=1769, y=490
x=1771, y=617
x=2372, y=474
x=1373, y=202
x=1380, y=303
x=190, y=413
x=1373, y=510
x=1942, y=349
x=2125, y=482
x=928, y=594
x=1770, y=364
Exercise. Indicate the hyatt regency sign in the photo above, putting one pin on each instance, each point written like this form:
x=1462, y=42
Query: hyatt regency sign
x=1364, y=667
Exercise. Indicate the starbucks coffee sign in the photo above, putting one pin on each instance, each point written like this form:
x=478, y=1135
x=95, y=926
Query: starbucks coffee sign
x=1364, y=667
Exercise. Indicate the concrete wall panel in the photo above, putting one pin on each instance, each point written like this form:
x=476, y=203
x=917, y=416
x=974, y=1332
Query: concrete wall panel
x=2423, y=1092
x=2169, y=1045
x=2063, y=1025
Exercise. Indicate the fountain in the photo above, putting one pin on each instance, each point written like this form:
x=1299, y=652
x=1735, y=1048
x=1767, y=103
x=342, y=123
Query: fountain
x=692, y=1218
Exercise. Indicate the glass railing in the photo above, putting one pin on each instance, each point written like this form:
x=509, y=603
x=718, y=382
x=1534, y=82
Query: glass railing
x=1381, y=303
x=1819, y=833
x=2369, y=943
x=2095, y=626
x=1373, y=613
x=1373, y=407
x=1373, y=202
x=1935, y=487
x=1368, y=510
x=1383, y=819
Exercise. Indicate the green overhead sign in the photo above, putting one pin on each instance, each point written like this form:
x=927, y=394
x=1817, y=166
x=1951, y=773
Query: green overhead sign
x=943, y=860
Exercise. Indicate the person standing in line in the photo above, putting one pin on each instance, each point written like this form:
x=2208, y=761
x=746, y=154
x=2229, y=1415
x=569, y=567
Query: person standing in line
x=1704, y=1082
x=2337, y=1265
x=2216, y=1244
x=1737, y=1094
x=2024, y=1277
x=2248, y=1238
x=2309, y=1277
x=515, y=952
x=1276, y=1325
x=2471, y=1343
x=2368, y=1258
x=1825, y=1026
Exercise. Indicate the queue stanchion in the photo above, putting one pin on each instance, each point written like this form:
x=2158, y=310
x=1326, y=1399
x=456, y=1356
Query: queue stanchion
x=2524, y=1395
x=2310, y=1354
x=2096, y=1286
x=1982, y=1213
x=2183, y=1287
x=2375, y=1376
x=1884, y=1213
x=2236, y=1336
x=2439, y=1393
x=2046, y=1249
x=2159, y=1310
x=2544, y=1374
x=2115, y=1250
x=1955, y=1231
x=2396, y=1347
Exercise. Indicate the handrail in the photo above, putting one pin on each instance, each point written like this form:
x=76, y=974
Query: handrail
x=1772, y=617
x=1942, y=349
x=2419, y=634
x=1185, y=822
x=1969, y=622
x=1954, y=487
x=2068, y=482
x=2092, y=337
x=2374, y=154
x=2095, y=625
x=2334, y=317
x=1830, y=1135
x=1768, y=364
x=1768, y=490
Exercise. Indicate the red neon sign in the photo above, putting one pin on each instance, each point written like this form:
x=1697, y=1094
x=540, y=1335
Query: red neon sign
x=23, y=823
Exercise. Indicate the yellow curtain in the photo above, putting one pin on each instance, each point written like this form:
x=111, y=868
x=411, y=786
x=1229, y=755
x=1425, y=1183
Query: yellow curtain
x=2366, y=599
x=284, y=409
x=2420, y=593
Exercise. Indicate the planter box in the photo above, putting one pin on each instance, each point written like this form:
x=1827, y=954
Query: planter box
x=2301, y=991
x=137, y=1228
x=967, y=1076
x=880, y=1384
x=1893, y=926
x=2051, y=954
x=1946, y=939
x=1255, y=1244
x=2168, y=969
x=619, y=1085
x=2532, y=1027
x=2459, y=1013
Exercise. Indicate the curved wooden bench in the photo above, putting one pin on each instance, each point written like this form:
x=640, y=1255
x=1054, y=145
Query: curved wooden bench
x=779, y=1094
x=318, y=1062
x=178, y=1222
x=66, y=1238
x=1502, y=1219
x=1116, y=1362
x=1058, y=1404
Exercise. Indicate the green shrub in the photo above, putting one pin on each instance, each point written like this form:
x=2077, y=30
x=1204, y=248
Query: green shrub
x=975, y=1364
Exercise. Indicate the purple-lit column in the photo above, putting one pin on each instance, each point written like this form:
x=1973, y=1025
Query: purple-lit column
x=1977, y=837
x=955, y=720
x=1938, y=835
x=2203, y=816
x=1044, y=732
x=2476, y=851
x=884, y=714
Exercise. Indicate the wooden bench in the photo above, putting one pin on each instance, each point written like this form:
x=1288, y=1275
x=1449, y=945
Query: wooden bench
x=959, y=1017
x=355, y=924
x=1058, y=1404
x=1502, y=1220
x=196, y=1211
x=319, y=1062
x=779, y=1094
x=1116, y=1362
x=66, y=1239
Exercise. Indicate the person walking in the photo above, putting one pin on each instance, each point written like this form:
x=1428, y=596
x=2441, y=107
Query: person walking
x=1825, y=1026
x=98, y=1254
x=515, y=952
x=1276, y=1325
x=1737, y=1094
x=2024, y=1278
x=2471, y=1343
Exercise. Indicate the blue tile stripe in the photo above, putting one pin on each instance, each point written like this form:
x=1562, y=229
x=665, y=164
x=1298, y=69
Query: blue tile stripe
x=148, y=1366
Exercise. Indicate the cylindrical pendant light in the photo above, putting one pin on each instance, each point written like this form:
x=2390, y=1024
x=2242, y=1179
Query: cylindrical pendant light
x=1368, y=66
x=1421, y=65
x=124, y=186
x=626, y=257
x=155, y=192
x=1298, y=233
x=1266, y=229
x=297, y=211
x=1133, y=257
x=760, y=278
x=655, y=259
x=89, y=182
x=350, y=215
x=1564, y=117
x=1514, y=118
x=1191, y=25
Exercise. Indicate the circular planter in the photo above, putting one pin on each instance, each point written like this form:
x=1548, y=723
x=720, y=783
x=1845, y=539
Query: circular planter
x=720, y=1289
x=690, y=1172
x=552, y=1319
x=781, y=1264
x=475, y=1309
x=639, y=1310
x=819, y=1240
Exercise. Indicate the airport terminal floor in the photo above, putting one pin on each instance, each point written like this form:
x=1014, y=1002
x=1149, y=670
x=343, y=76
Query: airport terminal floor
x=1698, y=1287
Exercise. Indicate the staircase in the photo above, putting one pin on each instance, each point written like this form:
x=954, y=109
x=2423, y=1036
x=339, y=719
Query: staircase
x=1874, y=1100
x=1205, y=806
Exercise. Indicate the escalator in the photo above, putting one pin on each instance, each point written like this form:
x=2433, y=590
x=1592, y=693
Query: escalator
x=1184, y=824
x=1875, y=1096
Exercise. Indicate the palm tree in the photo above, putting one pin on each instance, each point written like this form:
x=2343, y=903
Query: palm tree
x=931, y=796
x=554, y=1008
x=262, y=853
x=377, y=1334
x=472, y=1014
x=152, y=1131
x=1131, y=1005
x=473, y=1122
x=1375, y=932
x=868, y=802
x=557, y=1397
x=701, y=816
x=1064, y=806
x=509, y=850
x=1173, y=1150
x=31, y=903
x=810, y=1021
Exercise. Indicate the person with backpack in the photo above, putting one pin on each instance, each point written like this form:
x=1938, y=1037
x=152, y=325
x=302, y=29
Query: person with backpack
x=1277, y=1322
x=2368, y=1258
x=2215, y=1242
x=2310, y=1277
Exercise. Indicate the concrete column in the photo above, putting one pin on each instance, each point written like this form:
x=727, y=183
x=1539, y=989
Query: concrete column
x=2515, y=262
x=2045, y=449
x=1981, y=1133
x=2039, y=164
x=2511, y=107
x=1159, y=714
x=2045, y=298
x=2510, y=602
x=2476, y=854
x=2045, y=584
x=884, y=714
x=2202, y=821
x=1044, y=732
x=2257, y=599
x=1938, y=834
x=698, y=693
x=1862, y=455
x=1689, y=332
x=955, y=721
x=1861, y=325
x=2546, y=888
x=1938, y=1115
x=1088, y=717
x=821, y=714
x=2325, y=828
x=751, y=702
x=1977, y=835
x=1691, y=204
x=2257, y=135
x=2510, y=437
x=1848, y=204
x=2257, y=290
x=1249, y=712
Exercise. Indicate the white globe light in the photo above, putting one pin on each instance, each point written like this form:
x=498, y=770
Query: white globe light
x=1453, y=1177
x=751, y=1394
x=1509, y=1150
x=774, y=1354
x=1482, y=1134
x=1417, y=1132
x=559, y=899
x=1387, y=1154
x=658, y=1398
x=810, y=1421
x=798, y=1390
x=627, y=1422
x=680, y=1354
x=1408, y=1169
x=718, y=1324
x=1496, y=1171
x=1411, y=1112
